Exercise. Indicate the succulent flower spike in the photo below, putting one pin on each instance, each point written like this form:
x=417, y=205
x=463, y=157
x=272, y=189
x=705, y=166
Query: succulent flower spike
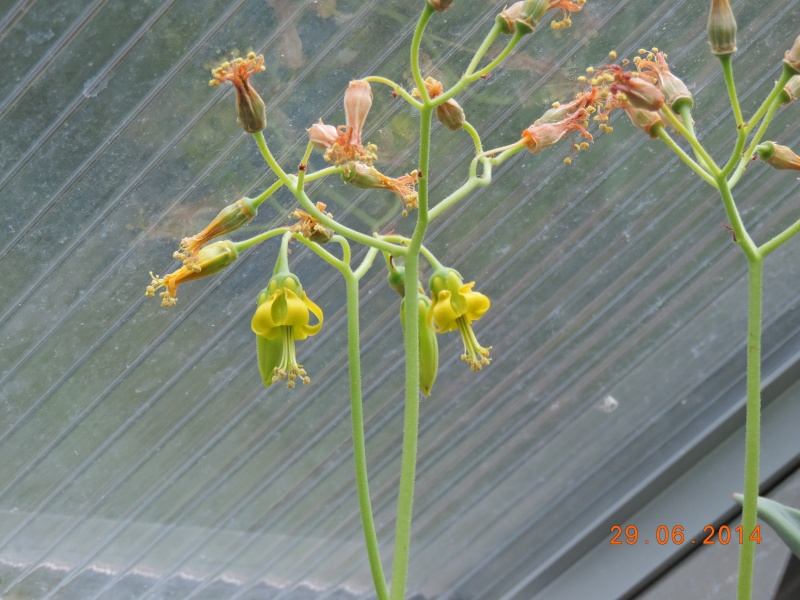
x=627, y=87
x=282, y=317
x=539, y=136
x=230, y=218
x=249, y=105
x=211, y=259
x=778, y=157
x=721, y=28
x=310, y=228
x=454, y=307
x=344, y=144
x=449, y=113
x=676, y=94
x=367, y=177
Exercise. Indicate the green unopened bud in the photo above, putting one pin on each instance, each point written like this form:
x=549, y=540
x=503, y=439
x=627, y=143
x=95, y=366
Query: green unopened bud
x=428, y=345
x=791, y=90
x=792, y=57
x=396, y=279
x=676, y=94
x=451, y=115
x=510, y=19
x=721, y=28
x=778, y=157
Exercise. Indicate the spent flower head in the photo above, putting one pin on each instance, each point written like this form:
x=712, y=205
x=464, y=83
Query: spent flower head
x=344, y=144
x=229, y=219
x=542, y=134
x=365, y=176
x=210, y=260
x=310, y=227
x=654, y=63
x=249, y=105
x=777, y=156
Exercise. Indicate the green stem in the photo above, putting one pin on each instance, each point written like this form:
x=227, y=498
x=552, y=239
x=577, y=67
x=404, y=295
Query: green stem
x=696, y=146
x=397, y=90
x=250, y=242
x=466, y=79
x=779, y=239
x=416, y=41
x=787, y=74
x=665, y=137
x=752, y=429
x=745, y=158
x=742, y=237
x=487, y=42
x=366, y=264
x=727, y=72
x=685, y=111
x=408, y=461
x=359, y=445
x=267, y=193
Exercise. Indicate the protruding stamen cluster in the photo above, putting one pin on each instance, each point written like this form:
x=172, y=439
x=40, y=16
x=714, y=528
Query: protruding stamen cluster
x=249, y=105
x=566, y=7
x=310, y=227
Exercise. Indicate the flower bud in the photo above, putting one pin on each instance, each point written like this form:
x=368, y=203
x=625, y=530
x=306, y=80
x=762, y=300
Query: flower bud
x=778, y=157
x=451, y=115
x=440, y=5
x=676, y=94
x=641, y=94
x=396, y=279
x=792, y=57
x=508, y=17
x=791, y=91
x=721, y=28
x=357, y=102
x=428, y=345
x=322, y=136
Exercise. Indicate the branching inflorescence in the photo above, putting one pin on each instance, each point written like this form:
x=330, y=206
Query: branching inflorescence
x=645, y=89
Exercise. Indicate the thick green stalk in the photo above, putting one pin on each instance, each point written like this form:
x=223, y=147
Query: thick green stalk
x=752, y=429
x=408, y=461
x=359, y=446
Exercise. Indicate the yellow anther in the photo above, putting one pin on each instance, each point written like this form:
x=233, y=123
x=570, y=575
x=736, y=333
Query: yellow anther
x=613, y=55
x=567, y=161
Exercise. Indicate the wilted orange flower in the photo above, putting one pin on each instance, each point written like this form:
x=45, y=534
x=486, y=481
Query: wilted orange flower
x=344, y=144
x=674, y=90
x=249, y=105
x=310, y=227
x=368, y=177
x=229, y=219
x=539, y=136
x=625, y=86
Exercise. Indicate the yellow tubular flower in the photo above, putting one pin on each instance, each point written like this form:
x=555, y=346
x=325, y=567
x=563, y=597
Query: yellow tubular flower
x=454, y=307
x=282, y=317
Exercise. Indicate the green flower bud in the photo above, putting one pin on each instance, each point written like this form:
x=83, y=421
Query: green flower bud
x=721, y=28
x=428, y=345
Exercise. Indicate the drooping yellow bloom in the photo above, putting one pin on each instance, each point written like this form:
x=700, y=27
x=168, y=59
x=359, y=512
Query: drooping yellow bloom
x=282, y=317
x=454, y=307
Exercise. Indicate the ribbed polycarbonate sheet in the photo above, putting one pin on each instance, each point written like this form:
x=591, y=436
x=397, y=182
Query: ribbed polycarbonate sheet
x=141, y=455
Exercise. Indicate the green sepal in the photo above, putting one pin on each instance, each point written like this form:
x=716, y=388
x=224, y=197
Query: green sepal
x=268, y=353
x=428, y=344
